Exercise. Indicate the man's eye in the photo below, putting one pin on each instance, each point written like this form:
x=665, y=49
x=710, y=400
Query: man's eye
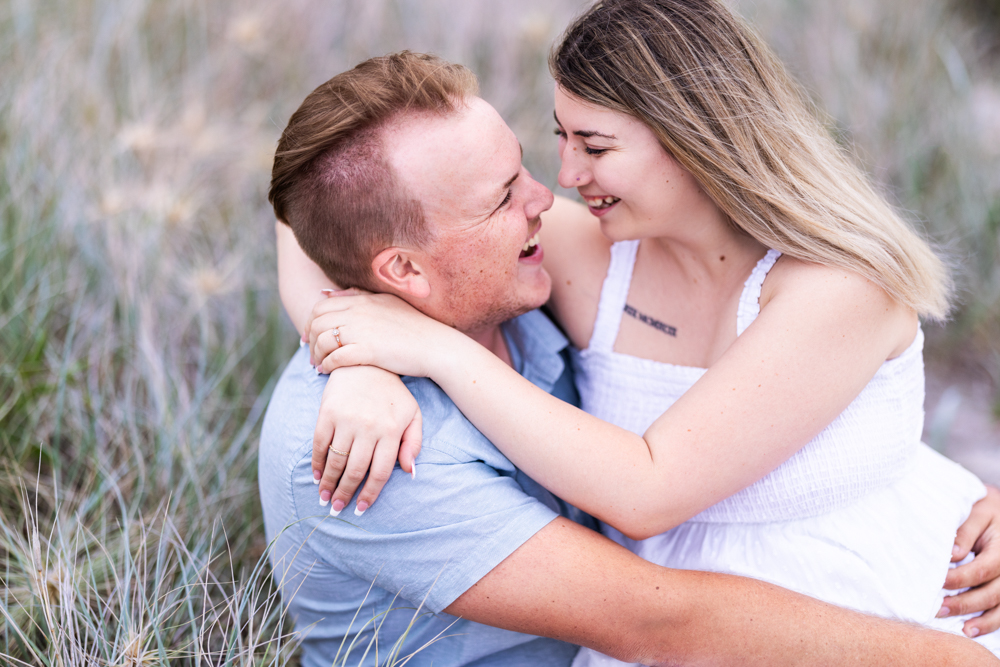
x=505, y=201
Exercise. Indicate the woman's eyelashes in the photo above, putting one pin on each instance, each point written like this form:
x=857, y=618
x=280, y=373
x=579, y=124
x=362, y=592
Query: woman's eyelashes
x=561, y=133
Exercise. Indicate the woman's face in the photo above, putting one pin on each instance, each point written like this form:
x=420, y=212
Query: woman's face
x=621, y=171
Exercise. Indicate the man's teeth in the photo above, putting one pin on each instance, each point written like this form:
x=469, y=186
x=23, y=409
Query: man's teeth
x=532, y=242
x=601, y=202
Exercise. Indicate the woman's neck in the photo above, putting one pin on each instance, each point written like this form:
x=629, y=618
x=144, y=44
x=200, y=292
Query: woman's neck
x=711, y=253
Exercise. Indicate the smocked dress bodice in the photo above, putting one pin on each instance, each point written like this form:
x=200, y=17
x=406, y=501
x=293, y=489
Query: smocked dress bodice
x=863, y=516
x=867, y=447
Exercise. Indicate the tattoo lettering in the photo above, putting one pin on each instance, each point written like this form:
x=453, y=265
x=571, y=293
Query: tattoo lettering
x=651, y=321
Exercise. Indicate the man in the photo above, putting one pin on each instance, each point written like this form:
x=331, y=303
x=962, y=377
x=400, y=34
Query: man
x=396, y=178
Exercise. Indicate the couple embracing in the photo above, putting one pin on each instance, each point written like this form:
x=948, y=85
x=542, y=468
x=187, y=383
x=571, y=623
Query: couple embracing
x=706, y=450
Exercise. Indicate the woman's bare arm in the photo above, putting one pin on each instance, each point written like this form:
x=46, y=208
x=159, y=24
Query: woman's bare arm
x=756, y=406
x=300, y=281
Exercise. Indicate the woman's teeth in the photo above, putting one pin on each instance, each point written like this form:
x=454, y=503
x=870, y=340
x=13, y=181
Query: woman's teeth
x=601, y=202
x=532, y=242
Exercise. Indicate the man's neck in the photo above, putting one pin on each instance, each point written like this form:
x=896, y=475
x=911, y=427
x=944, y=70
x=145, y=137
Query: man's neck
x=492, y=339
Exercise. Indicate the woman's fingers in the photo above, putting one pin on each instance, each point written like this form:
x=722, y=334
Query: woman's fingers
x=984, y=598
x=360, y=456
x=326, y=343
x=346, y=355
x=410, y=444
x=981, y=625
x=322, y=437
x=982, y=569
x=322, y=341
x=984, y=514
x=333, y=473
x=382, y=465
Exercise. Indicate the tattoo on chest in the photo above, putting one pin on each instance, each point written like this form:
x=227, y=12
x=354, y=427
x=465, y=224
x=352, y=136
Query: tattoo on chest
x=651, y=321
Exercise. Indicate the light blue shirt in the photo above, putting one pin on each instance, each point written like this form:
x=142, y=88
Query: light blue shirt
x=424, y=542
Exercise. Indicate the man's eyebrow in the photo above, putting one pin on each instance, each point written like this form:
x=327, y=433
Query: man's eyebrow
x=509, y=183
x=586, y=134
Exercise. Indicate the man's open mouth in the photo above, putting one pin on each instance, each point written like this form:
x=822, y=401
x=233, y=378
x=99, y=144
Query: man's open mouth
x=530, y=247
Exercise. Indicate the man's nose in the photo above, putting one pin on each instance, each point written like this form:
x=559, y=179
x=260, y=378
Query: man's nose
x=541, y=200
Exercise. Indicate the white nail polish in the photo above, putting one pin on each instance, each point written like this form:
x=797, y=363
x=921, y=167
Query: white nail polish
x=413, y=470
x=357, y=513
x=334, y=512
x=315, y=481
x=324, y=503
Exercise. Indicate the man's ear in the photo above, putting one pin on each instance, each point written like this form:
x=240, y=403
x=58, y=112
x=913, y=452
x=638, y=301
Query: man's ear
x=401, y=270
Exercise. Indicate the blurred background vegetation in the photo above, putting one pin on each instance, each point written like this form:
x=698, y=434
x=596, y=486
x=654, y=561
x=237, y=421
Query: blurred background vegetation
x=140, y=330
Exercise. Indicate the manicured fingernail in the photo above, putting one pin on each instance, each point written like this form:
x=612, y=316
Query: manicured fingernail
x=324, y=497
x=943, y=611
x=413, y=470
x=973, y=632
x=327, y=292
x=302, y=343
x=360, y=509
x=955, y=551
x=335, y=508
x=317, y=475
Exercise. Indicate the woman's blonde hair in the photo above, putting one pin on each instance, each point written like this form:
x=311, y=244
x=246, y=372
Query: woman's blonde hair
x=725, y=108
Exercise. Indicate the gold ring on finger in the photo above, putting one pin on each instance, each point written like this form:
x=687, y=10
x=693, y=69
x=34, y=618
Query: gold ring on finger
x=337, y=451
x=336, y=336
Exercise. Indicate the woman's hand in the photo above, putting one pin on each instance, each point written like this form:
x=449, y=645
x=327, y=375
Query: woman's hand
x=368, y=418
x=980, y=535
x=356, y=328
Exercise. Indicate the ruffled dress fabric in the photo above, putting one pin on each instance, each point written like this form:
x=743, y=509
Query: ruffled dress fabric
x=863, y=516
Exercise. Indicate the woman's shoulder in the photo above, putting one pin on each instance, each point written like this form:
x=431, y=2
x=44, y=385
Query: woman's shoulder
x=577, y=255
x=805, y=287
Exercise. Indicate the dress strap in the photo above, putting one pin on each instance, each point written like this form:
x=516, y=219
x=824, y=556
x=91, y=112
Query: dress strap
x=750, y=298
x=614, y=293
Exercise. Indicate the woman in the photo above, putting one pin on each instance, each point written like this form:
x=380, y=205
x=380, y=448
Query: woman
x=777, y=382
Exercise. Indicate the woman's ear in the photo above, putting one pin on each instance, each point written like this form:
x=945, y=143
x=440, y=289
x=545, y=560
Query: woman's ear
x=401, y=272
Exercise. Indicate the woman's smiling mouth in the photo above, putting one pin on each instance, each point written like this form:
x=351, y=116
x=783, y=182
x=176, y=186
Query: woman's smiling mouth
x=599, y=203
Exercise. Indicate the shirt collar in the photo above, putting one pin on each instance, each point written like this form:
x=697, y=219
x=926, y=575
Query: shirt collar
x=536, y=346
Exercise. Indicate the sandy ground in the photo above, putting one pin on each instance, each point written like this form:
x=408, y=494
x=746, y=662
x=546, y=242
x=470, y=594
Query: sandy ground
x=960, y=421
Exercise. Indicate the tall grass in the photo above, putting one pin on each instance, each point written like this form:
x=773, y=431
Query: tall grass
x=139, y=326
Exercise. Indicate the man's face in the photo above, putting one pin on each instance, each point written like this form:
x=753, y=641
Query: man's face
x=482, y=208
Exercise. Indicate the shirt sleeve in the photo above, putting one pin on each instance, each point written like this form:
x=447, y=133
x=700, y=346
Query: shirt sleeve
x=431, y=538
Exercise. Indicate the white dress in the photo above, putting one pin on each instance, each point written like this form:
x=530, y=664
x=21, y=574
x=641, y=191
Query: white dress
x=863, y=516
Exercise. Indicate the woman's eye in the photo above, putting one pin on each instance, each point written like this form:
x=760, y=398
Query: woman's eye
x=559, y=132
x=594, y=151
x=505, y=201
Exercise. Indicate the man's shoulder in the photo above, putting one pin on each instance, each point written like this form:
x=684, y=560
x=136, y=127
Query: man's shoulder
x=286, y=436
x=294, y=405
x=447, y=433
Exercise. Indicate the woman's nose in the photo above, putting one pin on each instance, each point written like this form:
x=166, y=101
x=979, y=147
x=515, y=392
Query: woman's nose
x=572, y=173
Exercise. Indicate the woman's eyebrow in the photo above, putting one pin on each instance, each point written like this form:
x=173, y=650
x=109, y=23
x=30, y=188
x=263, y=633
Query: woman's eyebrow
x=586, y=133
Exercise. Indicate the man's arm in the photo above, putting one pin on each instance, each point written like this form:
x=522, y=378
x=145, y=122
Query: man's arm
x=570, y=583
